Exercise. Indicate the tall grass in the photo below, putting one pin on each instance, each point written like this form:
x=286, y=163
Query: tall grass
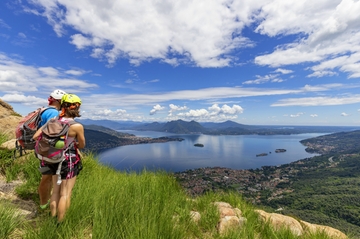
x=147, y=205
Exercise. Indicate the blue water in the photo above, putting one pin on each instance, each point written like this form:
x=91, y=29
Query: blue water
x=229, y=151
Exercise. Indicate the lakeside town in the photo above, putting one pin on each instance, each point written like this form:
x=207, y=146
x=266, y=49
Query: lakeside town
x=266, y=183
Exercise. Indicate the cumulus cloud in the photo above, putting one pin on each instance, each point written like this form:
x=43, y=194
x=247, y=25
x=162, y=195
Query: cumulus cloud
x=194, y=32
x=156, y=108
x=207, y=34
x=23, y=99
x=313, y=115
x=20, y=78
x=175, y=108
x=344, y=114
x=328, y=40
x=214, y=113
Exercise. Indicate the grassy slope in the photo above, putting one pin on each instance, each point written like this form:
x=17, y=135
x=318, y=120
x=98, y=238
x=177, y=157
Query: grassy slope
x=111, y=204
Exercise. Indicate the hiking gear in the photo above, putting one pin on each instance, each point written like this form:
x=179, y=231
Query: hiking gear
x=55, y=130
x=70, y=98
x=50, y=113
x=26, y=129
x=57, y=94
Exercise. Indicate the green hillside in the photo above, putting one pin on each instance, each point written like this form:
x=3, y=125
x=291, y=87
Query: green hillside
x=112, y=204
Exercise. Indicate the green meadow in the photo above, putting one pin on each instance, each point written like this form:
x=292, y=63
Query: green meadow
x=112, y=204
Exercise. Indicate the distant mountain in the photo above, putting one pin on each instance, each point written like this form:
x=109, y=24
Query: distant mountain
x=110, y=124
x=224, y=128
x=178, y=127
x=223, y=125
x=183, y=127
x=107, y=130
x=155, y=126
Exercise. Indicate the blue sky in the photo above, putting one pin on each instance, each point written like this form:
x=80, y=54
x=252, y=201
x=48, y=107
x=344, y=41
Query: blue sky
x=263, y=62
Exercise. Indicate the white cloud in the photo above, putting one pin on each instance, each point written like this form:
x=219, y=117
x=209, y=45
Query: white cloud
x=206, y=33
x=21, y=35
x=196, y=32
x=264, y=79
x=49, y=71
x=344, y=114
x=26, y=100
x=17, y=77
x=116, y=114
x=215, y=113
x=296, y=115
x=313, y=115
x=3, y=24
x=75, y=72
x=175, y=108
x=329, y=29
x=156, y=108
x=316, y=101
x=283, y=71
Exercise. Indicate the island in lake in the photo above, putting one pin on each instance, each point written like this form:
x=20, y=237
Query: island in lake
x=198, y=145
x=262, y=154
x=280, y=150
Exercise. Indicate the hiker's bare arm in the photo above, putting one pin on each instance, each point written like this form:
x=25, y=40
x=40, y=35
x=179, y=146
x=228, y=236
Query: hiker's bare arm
x=77, y=130
x=37, y=134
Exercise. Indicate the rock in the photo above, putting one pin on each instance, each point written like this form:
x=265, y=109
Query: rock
x=331, y=232
x=9, y=119
x=228, y=222
x=195, y=216
x=9, y=144
x=299, y=227
x=230, y=218
x=279, y=221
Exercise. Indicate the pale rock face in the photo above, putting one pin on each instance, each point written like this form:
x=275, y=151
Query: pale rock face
x=195, y=216
x=280, y=221
x=9, y=119
x=299, y=227
x=331, y=232
x=228, y=222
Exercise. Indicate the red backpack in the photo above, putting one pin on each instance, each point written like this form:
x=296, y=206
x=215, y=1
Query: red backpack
x=26, y=129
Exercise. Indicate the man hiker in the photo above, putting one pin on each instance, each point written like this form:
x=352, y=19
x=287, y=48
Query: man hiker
x=52, y=111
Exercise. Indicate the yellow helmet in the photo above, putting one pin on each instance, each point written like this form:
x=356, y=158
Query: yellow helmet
x=70, y=98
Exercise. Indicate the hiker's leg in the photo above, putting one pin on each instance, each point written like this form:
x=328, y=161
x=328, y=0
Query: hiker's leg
x=65, y=196
x=55, y=196
x=44, y=189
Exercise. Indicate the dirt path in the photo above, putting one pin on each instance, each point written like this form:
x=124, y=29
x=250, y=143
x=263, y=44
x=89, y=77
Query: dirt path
x=7, y=193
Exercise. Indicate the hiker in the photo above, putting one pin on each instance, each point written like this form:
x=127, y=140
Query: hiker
x=51, y=111
x=71, y=167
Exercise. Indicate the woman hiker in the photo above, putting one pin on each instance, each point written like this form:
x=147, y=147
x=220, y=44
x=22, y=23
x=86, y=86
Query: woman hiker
x=71, y=167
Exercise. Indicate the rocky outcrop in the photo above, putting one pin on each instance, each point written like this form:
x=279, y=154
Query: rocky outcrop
x=298, y=228
x=232, y=219
x=9, y=119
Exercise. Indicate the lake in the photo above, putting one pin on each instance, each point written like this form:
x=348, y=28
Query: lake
x=229, y=151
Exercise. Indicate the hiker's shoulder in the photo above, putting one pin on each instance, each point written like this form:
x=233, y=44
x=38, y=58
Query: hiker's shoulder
x=50, y=111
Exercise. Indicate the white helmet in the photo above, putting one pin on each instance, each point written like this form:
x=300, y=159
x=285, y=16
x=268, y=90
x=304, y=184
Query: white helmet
x=57, y=94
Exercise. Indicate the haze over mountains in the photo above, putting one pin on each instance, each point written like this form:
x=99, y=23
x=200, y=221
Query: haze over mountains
x=224, y=128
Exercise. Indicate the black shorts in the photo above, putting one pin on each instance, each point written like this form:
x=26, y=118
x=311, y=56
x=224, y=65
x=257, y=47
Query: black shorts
x=68, y=169
x=44, y=169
